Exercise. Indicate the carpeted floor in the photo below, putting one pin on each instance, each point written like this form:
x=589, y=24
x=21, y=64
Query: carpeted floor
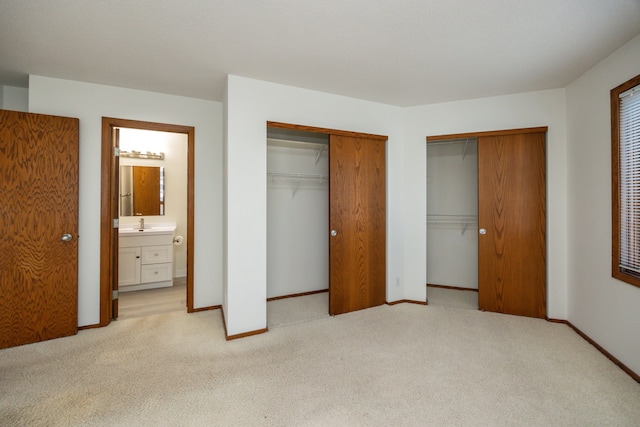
x=290, y=311
x=401, y=365
x=452, y=297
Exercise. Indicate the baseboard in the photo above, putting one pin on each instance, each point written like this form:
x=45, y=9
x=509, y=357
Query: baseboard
x=455, y=288
x=211, y=307
x=601, y=349
x=242, y=335
x=301, y=294
x=408, y=301
x=180, y=274
x=247, y=334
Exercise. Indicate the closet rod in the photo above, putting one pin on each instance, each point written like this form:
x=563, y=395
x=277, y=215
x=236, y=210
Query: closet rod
x=451, y=218
x=307, y=145
x=451, y=141
x=298, y=176
x=462, y=220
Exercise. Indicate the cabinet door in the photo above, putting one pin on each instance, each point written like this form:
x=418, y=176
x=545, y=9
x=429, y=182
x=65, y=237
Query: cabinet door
x=128, y=266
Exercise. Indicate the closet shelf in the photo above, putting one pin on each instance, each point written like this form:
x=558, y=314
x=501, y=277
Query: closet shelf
x=297, y=179
x=462, y=220
x=464, y=141
x=298, y=176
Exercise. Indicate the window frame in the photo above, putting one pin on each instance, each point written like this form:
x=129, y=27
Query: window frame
x=617, y=273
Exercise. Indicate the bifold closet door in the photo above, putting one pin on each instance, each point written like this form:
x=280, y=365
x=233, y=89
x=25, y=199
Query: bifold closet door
x=39, y=223
x=357, y=222
x=512, y=224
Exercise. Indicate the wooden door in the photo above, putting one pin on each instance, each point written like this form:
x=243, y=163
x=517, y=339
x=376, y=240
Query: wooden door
x=357, y=201
x=512, y=210
x=39, y=227
x=146, y=190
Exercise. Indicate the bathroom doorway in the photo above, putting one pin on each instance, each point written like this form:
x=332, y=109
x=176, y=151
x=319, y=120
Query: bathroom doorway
x=139, y=145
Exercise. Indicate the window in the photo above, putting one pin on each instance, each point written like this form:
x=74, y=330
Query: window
x=625, y=158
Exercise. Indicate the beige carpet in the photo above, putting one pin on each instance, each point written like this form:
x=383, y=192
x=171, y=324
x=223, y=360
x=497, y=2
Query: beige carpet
x=452, y=297
x=290, y=311
x=402, y=365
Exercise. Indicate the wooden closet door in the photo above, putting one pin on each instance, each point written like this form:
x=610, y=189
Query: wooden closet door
x=39, y=227
x=357, y=217
x=512, y=210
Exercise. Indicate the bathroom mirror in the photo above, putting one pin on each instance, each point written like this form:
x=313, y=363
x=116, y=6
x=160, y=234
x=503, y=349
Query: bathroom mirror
x=141, y=190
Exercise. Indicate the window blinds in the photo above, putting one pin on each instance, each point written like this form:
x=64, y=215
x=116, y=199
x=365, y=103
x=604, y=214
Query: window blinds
x=630, y=181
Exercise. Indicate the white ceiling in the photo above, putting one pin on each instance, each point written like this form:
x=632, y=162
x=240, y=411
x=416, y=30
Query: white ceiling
x=400, y=52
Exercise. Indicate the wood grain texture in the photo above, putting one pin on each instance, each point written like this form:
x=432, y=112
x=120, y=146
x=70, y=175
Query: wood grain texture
x=512, y=208
x=109, y=210
x=358, y=213
x=146, y=190
x=504, y=132
x=39, y=193
x=326, y=131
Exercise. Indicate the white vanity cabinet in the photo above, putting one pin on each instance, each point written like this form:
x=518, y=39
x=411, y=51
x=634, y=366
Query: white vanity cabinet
x=145, y=261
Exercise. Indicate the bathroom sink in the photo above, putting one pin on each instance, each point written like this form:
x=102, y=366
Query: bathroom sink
x=148, y=229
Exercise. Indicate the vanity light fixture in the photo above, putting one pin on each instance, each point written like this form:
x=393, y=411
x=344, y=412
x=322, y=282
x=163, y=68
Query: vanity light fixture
x=138, y=155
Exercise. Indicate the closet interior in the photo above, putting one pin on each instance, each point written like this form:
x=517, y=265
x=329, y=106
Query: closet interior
x=452, y=213
x=297, y=212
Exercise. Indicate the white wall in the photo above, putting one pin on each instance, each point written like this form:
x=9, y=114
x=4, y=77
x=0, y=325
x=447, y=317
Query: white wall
x=250, y=104
x=175, y=148
x=542, y=108
x=14, y=98
x=604, y=308
x=297, y=221
x=89, y=103
x=452, y=189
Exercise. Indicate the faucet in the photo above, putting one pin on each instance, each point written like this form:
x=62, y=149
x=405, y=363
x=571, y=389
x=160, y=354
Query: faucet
x=141, y=224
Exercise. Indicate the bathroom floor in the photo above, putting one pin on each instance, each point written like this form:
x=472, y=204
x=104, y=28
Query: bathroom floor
x=153, y=301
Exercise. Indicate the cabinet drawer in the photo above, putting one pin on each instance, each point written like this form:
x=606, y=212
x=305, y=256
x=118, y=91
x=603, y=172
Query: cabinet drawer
x=156, y=254
x=127, y=240
x=155, y=273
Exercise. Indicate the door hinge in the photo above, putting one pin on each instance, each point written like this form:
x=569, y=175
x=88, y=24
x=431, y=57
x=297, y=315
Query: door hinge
x=116, y=223
x=115, y=294
x=116, y=151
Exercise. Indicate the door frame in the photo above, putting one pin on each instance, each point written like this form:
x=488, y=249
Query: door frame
x=493, y=133
x=108, y=204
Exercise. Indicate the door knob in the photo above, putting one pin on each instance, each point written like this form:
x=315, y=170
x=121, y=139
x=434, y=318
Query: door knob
x=66, y=237
x=334, y=233
x=483, y=231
